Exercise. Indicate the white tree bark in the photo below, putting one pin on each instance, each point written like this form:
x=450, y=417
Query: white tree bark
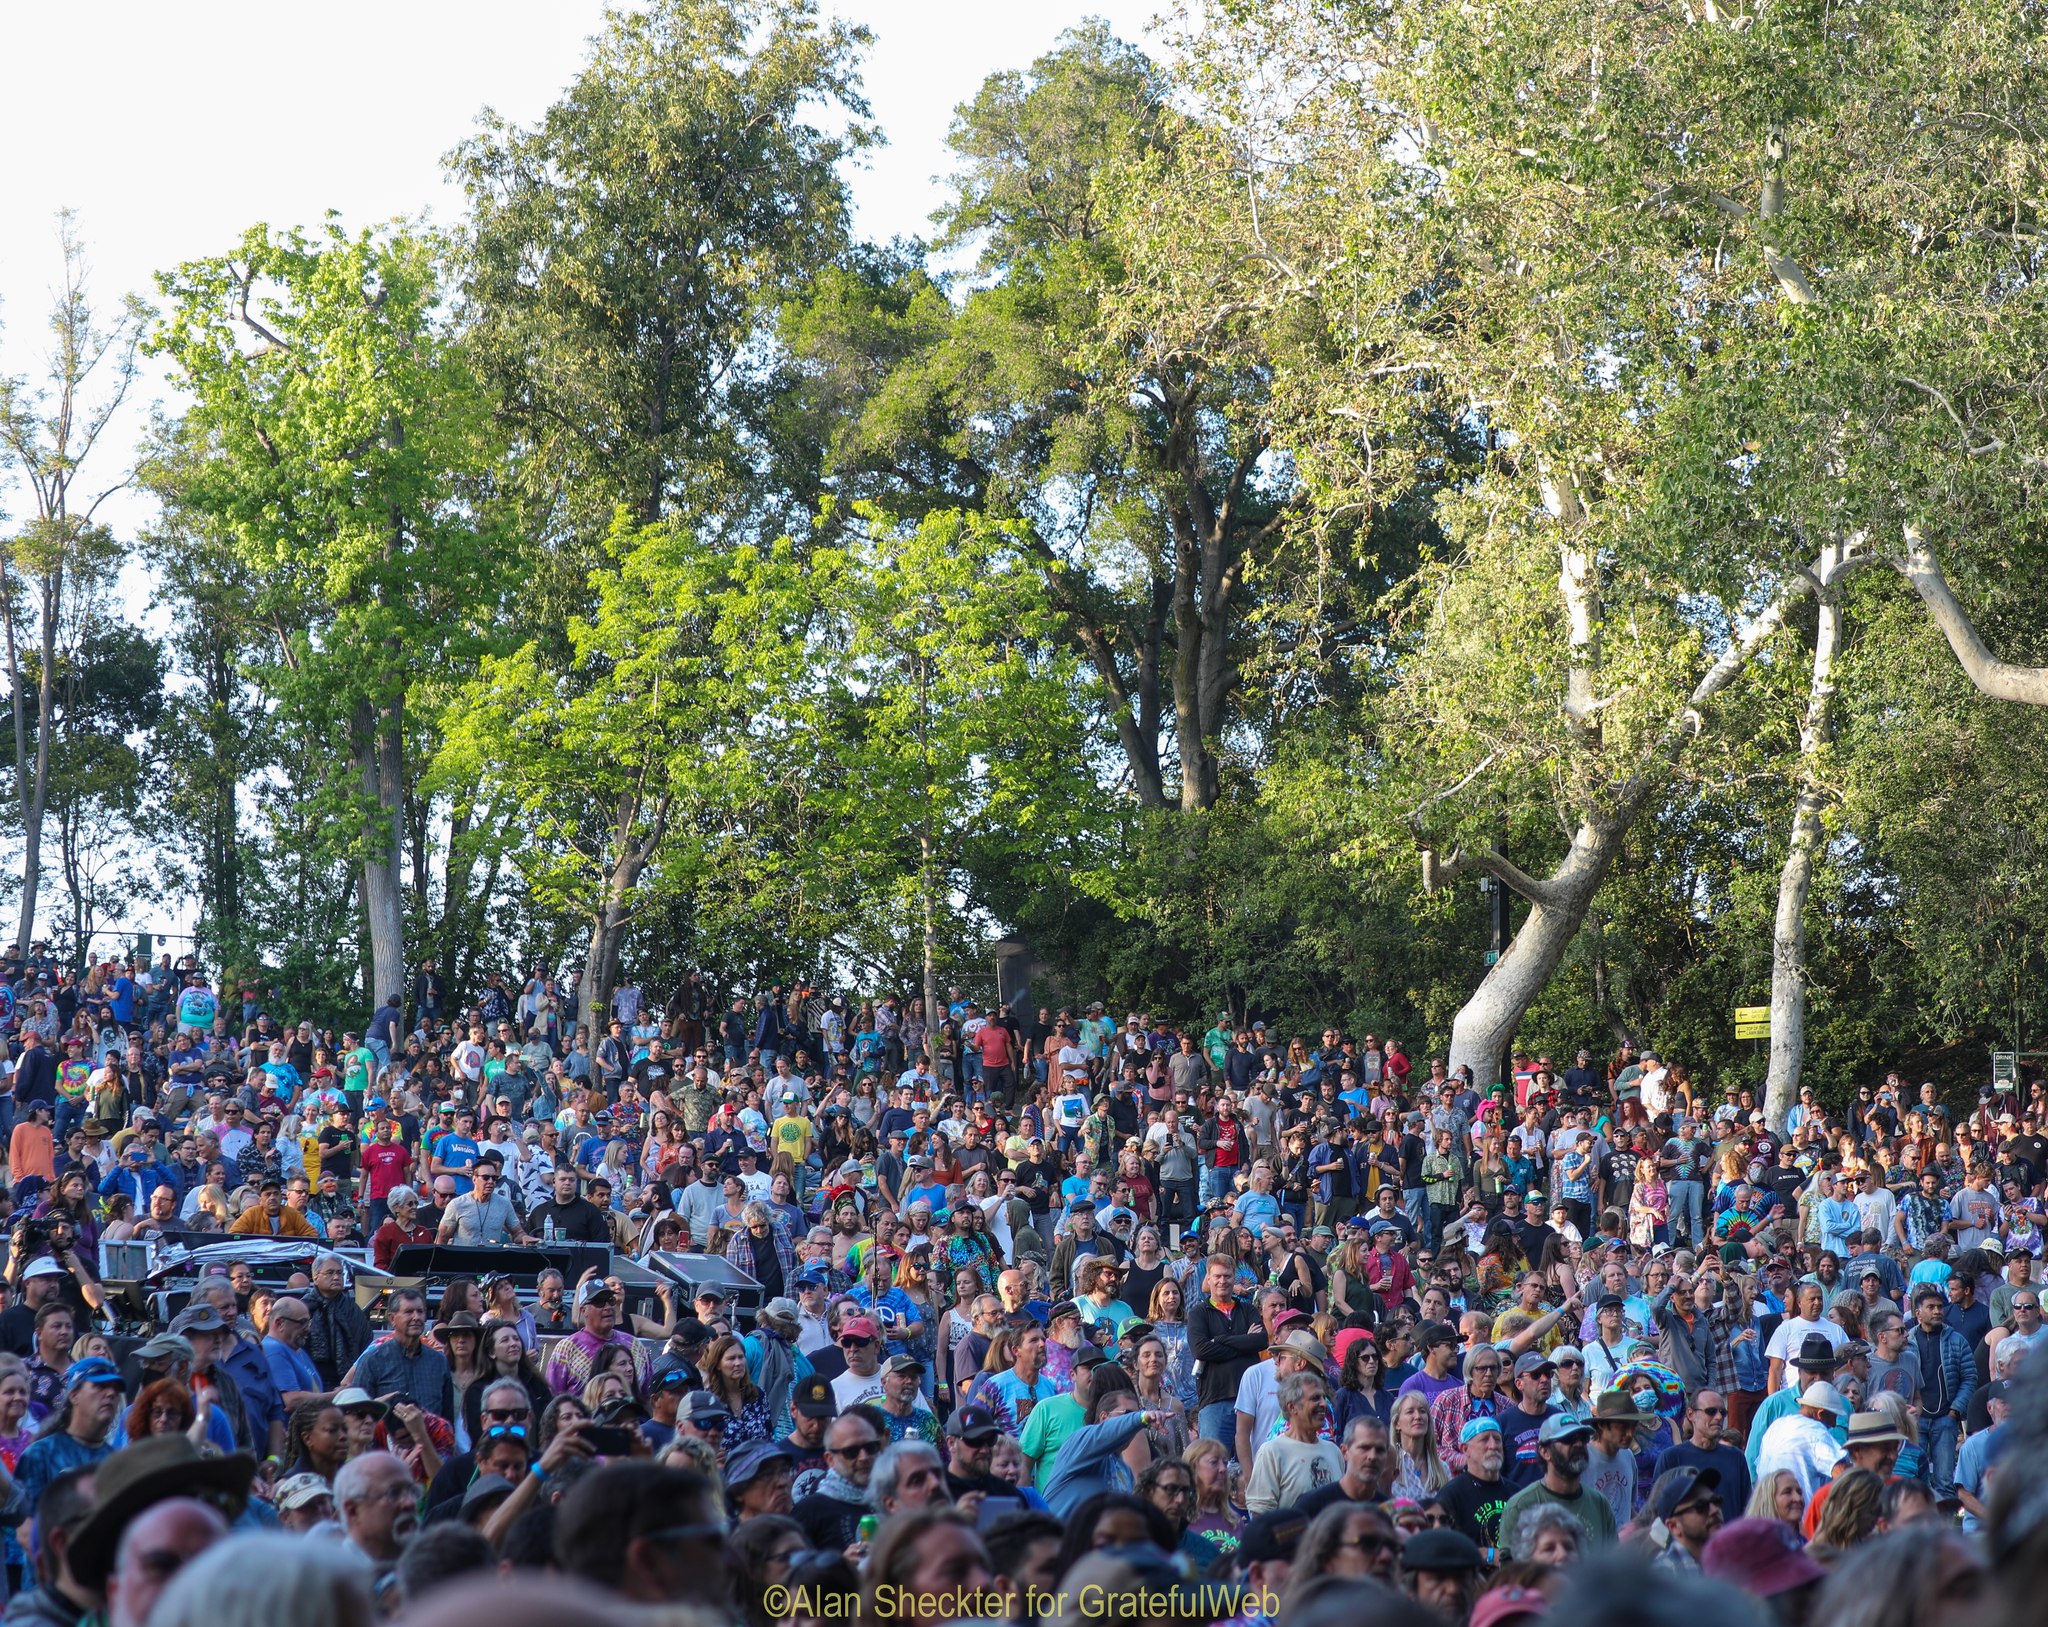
x=2001, y=680
x=1485, y=1025
x=1795, y=881
x=380, y=766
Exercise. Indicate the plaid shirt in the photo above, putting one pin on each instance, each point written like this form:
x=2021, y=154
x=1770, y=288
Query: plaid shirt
x=1702, y=1356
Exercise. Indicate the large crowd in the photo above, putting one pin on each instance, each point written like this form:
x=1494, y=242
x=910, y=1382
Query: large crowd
x=1047, y=1316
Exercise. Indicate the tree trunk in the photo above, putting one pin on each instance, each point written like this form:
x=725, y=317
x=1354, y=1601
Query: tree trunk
x=1795, y=881
x=39, y=788
x=1485, y=1026
x=615, y=910
x=377, y=752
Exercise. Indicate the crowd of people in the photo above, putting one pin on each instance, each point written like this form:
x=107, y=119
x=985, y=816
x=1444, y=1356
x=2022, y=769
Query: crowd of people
x=1058, y=1317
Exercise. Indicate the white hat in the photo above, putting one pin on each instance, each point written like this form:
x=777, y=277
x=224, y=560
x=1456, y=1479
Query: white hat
x=44, y=1266
x=1824, y=1397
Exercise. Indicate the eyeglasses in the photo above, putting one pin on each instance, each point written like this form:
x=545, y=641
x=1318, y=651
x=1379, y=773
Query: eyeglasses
x=1712, y=1412
x=1371, y=1542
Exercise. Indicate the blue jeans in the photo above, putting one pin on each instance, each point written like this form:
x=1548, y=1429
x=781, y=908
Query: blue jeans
x=1685, y=1209
x=1218, y=1422
x=70, y=1115
x=1938, y=1442
x=1415, y=1205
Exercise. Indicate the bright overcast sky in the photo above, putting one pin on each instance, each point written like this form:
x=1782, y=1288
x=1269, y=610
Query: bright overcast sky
x=170, y=128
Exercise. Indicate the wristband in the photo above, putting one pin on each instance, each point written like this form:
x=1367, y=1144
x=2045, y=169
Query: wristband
x=537, y=1471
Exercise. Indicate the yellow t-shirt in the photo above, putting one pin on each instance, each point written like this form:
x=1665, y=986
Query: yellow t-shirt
x=792, y=1134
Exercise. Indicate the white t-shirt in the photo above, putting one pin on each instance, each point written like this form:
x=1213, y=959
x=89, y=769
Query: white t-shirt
x=1791, y=1334
x=1258, y=1396
x=1285, y=1470
x=849, y=1389
x=1804, y=1445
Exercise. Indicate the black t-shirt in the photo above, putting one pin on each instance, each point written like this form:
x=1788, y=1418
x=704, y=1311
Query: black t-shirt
x=578, y=1220
x=1475, y=1507
x=1531, y=1235
x=1325, y=1496
x=1139, y=1281
x=1784, y=1185
x=337, y=1150
x=18, y=1331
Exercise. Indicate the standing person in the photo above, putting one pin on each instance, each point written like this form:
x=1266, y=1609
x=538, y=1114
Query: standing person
x=76, y=1434
x=1703, y=1448
x=1477, y=1494
x=1804, y=1444
x=1298, y=1461
x=1227, y=1338
x=1687, y=1502
x=1562, y=1447
x=405, y=1364
x=1948, y=1378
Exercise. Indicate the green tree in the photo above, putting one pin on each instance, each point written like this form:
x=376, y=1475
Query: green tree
x=625, y=256
x=1669, y=259
x=336, y=444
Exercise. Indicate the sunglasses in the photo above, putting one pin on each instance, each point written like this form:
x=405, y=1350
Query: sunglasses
x=861, y=1449
x=505, y=1432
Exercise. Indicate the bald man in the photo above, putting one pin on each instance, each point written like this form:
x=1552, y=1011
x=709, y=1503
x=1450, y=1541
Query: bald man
x=158, y=1543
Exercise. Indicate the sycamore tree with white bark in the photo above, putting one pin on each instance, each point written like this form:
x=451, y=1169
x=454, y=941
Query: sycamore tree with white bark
x=1744, y=300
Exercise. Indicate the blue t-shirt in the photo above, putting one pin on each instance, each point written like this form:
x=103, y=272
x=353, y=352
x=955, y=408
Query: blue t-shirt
x=457, y=1152
x=123, y=1002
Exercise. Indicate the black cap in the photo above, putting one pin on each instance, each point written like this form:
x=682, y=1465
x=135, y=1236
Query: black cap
x=1441, y=1550
x=813, y=1398
x=1272, y=1536
x=973, y=1423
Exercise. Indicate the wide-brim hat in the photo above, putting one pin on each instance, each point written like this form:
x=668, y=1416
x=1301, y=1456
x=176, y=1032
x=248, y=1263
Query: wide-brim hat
x=150, y=1472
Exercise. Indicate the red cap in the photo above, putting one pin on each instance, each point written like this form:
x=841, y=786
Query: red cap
x=859, y=1327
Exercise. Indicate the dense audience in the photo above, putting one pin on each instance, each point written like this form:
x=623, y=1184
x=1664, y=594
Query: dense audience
x=813, y=1307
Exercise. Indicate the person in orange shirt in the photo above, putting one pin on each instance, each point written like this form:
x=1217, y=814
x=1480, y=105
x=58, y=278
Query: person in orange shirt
x=32, y=1149
x=270, y=1218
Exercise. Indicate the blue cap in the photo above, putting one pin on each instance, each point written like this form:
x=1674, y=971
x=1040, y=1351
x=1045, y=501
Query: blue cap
x=378, y=1101
x=90, y=1370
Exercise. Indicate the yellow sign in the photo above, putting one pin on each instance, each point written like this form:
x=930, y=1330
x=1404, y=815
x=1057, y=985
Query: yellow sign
x=1752, y=1014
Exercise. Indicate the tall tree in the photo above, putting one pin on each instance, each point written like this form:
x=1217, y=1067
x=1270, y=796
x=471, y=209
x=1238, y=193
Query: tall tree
x=334, y=441
x=49, y=431
x=624, y=255
x=1133, y=444
x=1669, y=257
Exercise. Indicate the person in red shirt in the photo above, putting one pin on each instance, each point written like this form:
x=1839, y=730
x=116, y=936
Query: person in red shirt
x=1397, y=1065
x=997, y=1046
x=385, y=1162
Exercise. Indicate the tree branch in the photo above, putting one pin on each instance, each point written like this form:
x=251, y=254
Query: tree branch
x=2001, y=680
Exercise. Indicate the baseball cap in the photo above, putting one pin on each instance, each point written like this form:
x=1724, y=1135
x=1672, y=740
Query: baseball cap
x=1533, y=1361
x=903, y=1364
x=90, y=1370
x=973, y=1423
x=1560, y=1426
x=595, y=1291
x=201, y=1318
x=1501, y=1605
x=753, y=1460
x=702, y=1407
x=813, y=1398
x=296, y=1491
x=859, y=1327
x=1674, y=1486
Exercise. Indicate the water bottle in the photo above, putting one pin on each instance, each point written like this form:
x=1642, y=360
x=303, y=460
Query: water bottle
x=547, y=1230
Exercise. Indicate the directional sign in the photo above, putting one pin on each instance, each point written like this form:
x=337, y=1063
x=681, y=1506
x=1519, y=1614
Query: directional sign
x=1752, y=1022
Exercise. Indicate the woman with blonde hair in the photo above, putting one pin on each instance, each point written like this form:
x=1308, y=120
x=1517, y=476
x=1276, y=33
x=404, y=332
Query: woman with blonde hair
x=1349, y=1291
x=1418, y=1467
x=1849, y=1516
x=1166, y=1310
x=1216, y=1519
x=1777, y=1496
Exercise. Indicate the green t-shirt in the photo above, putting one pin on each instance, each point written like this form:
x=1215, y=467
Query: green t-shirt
x=1217, y=1043
x=1048, y=1427
x=356, y=1070
x=1593, y=1511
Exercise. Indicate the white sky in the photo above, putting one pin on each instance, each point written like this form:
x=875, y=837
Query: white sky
x=169, y=128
